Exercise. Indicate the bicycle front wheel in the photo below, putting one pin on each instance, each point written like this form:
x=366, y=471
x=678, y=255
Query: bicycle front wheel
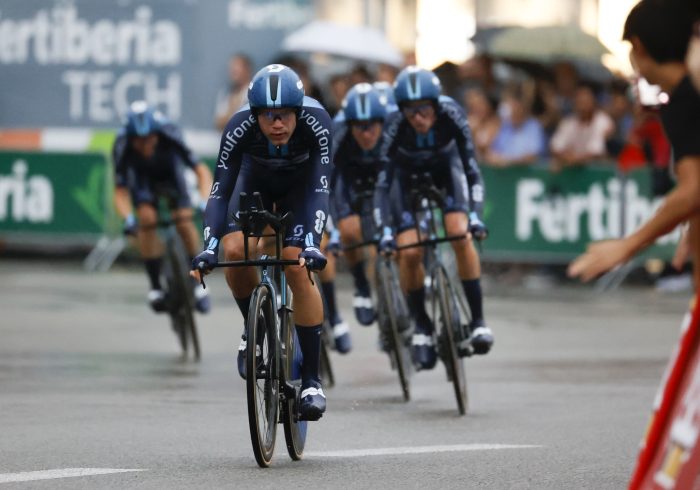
x=447, y=347
x=390, y=298
x=262, y=380
x=294, y=429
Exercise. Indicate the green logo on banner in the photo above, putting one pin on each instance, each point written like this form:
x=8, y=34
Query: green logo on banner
x=91, y=194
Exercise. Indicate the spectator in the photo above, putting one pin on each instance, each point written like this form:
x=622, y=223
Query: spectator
x=359, y=74
x=582, y=136
x=483, y=119
x=546, y=105
x=566, y=82
x=619, y=107
x=386, y=73
x=520, y=139
x=235, y=95
x=339, y=85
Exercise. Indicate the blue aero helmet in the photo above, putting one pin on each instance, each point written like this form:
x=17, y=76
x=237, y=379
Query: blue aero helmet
x=275, y=87
x=364, y=103
x=415, y=83
x=142, y=120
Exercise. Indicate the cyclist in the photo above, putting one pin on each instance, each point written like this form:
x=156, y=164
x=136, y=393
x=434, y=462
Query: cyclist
x=279, y=144
x=355, y=155
x=149, y=156
x=430, y=133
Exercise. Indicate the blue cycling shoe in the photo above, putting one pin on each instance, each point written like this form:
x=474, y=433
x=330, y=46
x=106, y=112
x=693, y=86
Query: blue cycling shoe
x=423, y=350
x=341, y=337
x=364, y=309
x=312, y=401
x=481, y=337
x=202, y=303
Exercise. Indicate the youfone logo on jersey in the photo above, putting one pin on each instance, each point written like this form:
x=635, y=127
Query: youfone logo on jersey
x=231, y=139
x=321, y=134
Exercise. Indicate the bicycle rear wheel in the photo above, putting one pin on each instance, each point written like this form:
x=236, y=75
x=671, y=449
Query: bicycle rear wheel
x=447, y=347
x=390, y=299
x=183, y=302
x=294, y=429
x=262, y=380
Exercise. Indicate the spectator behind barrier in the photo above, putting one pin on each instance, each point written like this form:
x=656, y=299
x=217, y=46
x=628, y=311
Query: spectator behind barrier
x=619, y=108
x=520, y=139
x=483, y=119
x=581, y=137
x=235, y=95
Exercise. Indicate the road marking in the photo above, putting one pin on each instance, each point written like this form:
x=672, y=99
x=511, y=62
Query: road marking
x=60, y=473
x=394, y=451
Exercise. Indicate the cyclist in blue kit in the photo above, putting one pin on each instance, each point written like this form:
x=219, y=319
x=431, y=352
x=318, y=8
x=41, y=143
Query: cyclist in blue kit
x=150, y=157
x=430, y=134
x=279, y=145
x=357, y=140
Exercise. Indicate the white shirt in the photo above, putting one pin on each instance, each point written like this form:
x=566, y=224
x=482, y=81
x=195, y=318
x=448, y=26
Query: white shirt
x=583, y=139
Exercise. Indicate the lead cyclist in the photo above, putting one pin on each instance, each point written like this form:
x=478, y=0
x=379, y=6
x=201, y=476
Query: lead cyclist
x=279, y=144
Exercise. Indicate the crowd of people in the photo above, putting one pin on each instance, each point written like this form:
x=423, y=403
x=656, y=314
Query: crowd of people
x=552, y=118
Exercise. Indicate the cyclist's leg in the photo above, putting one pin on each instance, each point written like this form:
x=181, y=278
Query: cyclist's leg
x=350, y=233
x=468, y=262
x=308, y=318
x=150, y=246
x=341, y=332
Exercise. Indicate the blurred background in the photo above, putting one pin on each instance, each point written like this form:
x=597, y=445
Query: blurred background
x=569, y=151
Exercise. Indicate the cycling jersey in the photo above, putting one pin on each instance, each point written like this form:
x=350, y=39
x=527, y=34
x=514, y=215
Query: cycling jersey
x=161, y=174
x=294, y=177
x=446, y=151
x=351, y=163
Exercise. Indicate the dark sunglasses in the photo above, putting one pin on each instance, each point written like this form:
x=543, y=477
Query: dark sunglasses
x=424, y=110
x=273, y=115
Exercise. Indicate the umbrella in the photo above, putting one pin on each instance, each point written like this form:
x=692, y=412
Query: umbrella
x=547, y=44
x=358, y=42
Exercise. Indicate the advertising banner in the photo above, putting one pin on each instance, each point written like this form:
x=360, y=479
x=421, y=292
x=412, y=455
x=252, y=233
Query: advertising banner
x=53, y=194
x=533, y=214
x=81, y=62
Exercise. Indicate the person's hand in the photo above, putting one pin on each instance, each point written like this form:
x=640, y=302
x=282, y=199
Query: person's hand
x=313, y=259
x=130, y=226
x=206, y=260
x=476, y=227
x=333, y=246
x=387, y=243
x=600, y=257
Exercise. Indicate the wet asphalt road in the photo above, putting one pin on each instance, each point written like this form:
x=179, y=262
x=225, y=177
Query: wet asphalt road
x=90, y=378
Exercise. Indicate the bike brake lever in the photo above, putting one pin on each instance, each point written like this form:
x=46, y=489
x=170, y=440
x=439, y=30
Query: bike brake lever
x=309, y=273
x=200, y=267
